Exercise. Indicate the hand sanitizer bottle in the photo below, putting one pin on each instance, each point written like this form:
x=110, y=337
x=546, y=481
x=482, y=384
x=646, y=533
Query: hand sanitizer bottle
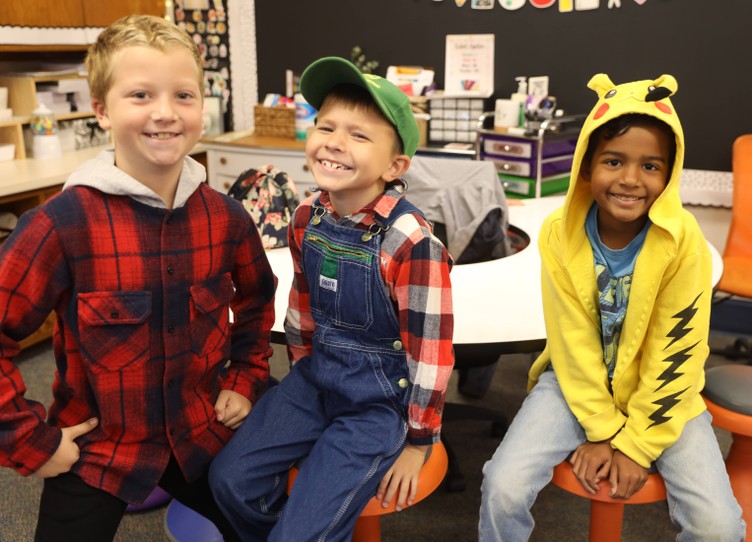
x=521, y=97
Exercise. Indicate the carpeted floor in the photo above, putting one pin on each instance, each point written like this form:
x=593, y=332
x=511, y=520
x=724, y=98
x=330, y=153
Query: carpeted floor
x=444, y=516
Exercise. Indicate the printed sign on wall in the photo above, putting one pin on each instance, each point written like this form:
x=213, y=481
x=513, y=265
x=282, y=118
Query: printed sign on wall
x=469, y=64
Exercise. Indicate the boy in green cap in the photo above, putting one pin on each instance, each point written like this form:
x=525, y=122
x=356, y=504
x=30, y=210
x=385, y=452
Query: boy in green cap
x=369, y=330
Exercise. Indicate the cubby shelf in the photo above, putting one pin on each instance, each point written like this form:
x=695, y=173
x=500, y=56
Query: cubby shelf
x=22, y=98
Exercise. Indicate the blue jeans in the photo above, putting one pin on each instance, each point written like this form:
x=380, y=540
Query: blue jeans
x=347, y=452
x=544, y=432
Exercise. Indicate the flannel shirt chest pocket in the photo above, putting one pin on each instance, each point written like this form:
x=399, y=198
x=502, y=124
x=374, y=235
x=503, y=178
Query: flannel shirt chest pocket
x=114, y=329
x=210, y=315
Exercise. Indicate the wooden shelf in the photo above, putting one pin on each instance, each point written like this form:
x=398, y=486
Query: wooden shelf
x=22, y=98
x=22, y=90
x=43, y=48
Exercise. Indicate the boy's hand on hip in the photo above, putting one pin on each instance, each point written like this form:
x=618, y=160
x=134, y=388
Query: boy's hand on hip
x=67, y=452
x=627, y=477
x=231, y=408
x=401, y=480
x=591, y=463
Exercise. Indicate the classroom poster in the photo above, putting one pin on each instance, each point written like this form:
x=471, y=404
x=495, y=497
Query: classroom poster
x=469, y=64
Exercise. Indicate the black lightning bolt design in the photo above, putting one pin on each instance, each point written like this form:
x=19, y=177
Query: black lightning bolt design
x=685, y=317
x=675, y=361
x=665, y=404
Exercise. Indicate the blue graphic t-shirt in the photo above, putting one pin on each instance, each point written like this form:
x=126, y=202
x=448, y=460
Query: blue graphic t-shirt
x=613, y=272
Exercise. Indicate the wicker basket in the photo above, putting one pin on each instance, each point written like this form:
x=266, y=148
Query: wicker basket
x=274, y=121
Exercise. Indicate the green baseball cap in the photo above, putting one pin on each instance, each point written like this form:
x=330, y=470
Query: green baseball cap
x=321, y=76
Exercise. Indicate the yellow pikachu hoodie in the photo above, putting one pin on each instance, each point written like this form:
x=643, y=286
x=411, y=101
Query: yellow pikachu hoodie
x=661, y=354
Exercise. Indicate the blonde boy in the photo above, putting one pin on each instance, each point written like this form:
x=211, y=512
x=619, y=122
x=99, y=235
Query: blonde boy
x=141, y=262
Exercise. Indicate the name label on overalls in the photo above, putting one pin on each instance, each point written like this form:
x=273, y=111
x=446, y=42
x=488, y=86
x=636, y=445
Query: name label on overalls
x=327, y=283
x=332, y=252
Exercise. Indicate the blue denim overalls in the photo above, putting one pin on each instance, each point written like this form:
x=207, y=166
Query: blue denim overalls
x=344, y=409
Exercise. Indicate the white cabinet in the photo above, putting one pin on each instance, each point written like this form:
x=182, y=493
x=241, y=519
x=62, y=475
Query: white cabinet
x=227, y=156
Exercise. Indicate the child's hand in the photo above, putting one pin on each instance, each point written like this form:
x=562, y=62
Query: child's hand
x=67, y=452
x=591, y=463
x=231, y=408
x=401, y=481
x=627, y=477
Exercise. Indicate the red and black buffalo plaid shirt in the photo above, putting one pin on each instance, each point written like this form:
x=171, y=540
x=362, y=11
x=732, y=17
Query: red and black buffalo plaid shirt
x=143, y=334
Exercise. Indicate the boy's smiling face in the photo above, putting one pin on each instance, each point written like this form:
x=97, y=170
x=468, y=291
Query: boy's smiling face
x=154, y=108
x=627, y=174
x=352, y=153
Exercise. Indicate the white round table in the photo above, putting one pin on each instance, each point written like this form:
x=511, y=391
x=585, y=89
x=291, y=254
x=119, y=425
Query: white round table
x=497, y=304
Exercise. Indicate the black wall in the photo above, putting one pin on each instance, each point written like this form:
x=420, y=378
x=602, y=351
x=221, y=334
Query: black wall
x=704, y=44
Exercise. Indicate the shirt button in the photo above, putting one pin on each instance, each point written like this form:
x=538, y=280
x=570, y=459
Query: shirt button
x=397, y=345
x=171, y=270
x=114, y=314
x=172, y=431
x=402, y=383
x=170, y=329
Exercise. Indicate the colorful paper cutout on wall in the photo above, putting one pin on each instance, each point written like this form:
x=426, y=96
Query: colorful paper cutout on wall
x=565, y=6
x=482, y=4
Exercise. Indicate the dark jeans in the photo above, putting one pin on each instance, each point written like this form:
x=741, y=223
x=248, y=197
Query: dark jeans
x=72, y=511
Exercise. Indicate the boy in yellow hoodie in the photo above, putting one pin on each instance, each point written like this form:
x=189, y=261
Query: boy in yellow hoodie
x=626, y=282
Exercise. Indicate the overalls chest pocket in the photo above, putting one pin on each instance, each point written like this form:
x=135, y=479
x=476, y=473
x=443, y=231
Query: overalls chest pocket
x=340, y=281
x=210, y=314
x=114, y=329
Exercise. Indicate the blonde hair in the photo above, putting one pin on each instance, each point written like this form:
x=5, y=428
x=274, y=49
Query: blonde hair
x=134, y=30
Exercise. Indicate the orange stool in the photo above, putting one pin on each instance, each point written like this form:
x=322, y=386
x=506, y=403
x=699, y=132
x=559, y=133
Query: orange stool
x=368, y=525
x=727, y=396
x=606, y=513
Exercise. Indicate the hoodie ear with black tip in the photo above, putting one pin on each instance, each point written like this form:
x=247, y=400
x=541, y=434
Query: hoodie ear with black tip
x=658, y=93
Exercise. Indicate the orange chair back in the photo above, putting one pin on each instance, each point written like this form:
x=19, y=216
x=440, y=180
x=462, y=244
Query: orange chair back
x=737, y=256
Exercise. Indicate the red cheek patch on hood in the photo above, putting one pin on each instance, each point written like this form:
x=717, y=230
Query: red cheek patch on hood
x=602, y=110
x=663, y=107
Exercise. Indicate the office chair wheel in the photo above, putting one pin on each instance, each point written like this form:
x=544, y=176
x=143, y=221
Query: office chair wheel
x=455, y=482
x=499, y=428
x=742, y=348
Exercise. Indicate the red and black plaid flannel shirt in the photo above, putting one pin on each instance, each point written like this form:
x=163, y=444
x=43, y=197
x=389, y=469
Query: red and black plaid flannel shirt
x=143, y=335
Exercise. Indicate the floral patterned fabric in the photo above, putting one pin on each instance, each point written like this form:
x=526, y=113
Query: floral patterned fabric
x=270, y=197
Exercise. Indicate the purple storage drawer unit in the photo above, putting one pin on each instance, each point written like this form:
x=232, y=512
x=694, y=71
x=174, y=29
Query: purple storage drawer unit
x=527, y=168
x=531, y=158
x=521, y=147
